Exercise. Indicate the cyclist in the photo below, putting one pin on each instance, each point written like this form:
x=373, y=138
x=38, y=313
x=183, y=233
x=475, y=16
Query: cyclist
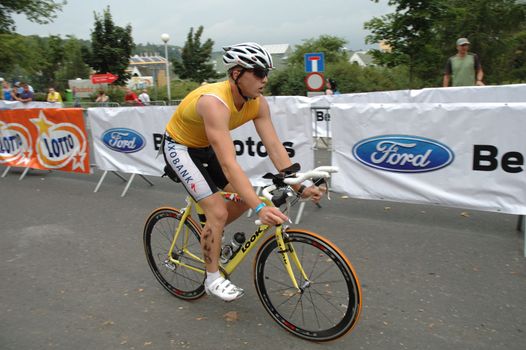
x=199, y=148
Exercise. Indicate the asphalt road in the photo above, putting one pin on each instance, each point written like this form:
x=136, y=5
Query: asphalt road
x=74, y=276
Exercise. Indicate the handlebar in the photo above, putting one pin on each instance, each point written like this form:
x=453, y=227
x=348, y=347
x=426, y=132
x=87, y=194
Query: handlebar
x=319, y=172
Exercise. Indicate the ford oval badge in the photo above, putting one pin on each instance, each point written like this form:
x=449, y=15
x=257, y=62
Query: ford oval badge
x=123, y=140
x=403, y=154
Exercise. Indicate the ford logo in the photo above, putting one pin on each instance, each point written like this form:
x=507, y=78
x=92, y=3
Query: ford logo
x=123, y=140
x=403, y=154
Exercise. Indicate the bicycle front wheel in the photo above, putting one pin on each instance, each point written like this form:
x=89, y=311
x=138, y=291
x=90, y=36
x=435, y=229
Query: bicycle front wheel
x=182, y=275
x=328, y=302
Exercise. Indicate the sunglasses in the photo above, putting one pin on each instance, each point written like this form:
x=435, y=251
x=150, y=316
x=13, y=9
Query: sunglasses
x=260, y=72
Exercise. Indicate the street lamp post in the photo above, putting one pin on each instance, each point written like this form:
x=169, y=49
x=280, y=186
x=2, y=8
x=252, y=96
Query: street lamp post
x=165, y=37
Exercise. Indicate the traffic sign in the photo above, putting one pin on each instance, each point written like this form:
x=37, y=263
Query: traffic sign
x=107, y=78
x=314, y=62
x=315, y=81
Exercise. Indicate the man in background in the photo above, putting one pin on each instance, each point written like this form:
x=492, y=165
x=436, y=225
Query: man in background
x=463, y=69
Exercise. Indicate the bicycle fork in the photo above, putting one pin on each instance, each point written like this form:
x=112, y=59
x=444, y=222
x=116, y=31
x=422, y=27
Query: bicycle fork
x=286, y=248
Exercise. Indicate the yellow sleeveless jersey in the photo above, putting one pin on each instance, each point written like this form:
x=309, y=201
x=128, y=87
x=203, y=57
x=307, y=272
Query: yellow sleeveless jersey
x=187, y=127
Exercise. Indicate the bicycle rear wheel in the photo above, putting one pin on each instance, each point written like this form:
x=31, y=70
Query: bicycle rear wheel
x=329, y=301
x=183, y=281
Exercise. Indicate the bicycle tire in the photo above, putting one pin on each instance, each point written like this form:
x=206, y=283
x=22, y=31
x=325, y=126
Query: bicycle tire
x=179, y=280
x=328, y=306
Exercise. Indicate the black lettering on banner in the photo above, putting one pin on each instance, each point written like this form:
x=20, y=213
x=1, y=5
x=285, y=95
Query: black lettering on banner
x=512, y=161
x=157, y=139
x=485, y=154
x=240, y=148
x=485, y=159
x=322, y=116
x=252, y=148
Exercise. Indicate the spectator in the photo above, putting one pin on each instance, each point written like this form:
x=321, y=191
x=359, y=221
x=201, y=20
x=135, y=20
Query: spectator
x=144, y=97
x=26, y=95
x=14, y=93
x=102, y=97
x=131, y=98
x=76, y=98
x=20, y=86
x=53, y=96
x=331, y=86
x=464, y=68
x=6, y=91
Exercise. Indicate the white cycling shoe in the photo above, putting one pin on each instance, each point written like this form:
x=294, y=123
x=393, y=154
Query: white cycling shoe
x=224, y=289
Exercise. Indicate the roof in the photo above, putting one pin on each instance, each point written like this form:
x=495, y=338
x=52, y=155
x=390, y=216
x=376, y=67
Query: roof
x=362, y=58
x=276, y=49
x=136, y=60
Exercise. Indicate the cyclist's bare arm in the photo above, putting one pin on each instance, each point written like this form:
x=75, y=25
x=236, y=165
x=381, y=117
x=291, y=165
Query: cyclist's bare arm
x=216, y=117
x=275, y=149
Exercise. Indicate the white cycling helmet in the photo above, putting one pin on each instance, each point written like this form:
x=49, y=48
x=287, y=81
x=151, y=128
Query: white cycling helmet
x=247, y=55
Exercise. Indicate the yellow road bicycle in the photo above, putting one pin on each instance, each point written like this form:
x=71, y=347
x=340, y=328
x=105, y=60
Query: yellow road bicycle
x=305, y=282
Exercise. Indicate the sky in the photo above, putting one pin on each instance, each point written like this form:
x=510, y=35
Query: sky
x=225, y=22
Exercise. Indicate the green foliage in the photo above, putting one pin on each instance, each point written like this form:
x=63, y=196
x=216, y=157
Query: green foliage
x=332, y=46
x=111, y=47
x=422, y=35
x=287, y=81
x=73, y=65
x=195, y=58
x=17, y=51
x=38, y=11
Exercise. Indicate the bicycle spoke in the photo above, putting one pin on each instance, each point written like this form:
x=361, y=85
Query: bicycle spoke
x=320, y=310
x=177, y=276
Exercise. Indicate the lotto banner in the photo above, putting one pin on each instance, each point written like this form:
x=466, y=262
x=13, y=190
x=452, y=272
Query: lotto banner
x=458, y=154
x=47, y=139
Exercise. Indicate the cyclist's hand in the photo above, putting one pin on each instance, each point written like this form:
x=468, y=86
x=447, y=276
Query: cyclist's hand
x=314, y=193
x=272, y=216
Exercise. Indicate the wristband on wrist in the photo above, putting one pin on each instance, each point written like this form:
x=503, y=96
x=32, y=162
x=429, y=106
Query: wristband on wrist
x=259, y=207
x=301, y=189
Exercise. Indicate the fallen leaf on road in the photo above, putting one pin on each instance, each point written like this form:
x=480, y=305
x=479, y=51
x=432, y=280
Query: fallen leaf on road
x=231, y=316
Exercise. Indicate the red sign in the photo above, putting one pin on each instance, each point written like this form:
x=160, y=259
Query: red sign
x=107, y=78
x=315, y=81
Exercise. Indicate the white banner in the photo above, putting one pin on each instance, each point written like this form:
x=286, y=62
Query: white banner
x=28, y=105
x=321, y=105
x=458, y=155
x=127, y=139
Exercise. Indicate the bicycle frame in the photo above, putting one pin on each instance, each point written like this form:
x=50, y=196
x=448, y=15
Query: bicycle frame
x=284, y=248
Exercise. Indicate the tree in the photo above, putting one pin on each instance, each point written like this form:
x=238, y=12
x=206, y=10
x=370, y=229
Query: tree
x=73, y=65
x=111, y=47
x=195, y=57
x=38, y=11
x=331, y=46
x=422, y=33
x=52, y=53
x=411, y=34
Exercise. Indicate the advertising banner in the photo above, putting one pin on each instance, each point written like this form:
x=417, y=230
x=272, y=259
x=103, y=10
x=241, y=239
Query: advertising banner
x=128, y=139
x=458, y=155
x=47, y=139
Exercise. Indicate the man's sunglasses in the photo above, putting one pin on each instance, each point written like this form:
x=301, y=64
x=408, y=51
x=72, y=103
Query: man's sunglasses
x=260, y=72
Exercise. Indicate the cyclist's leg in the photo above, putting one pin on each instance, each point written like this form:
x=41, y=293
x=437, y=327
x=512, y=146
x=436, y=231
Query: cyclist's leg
x=201, y=181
